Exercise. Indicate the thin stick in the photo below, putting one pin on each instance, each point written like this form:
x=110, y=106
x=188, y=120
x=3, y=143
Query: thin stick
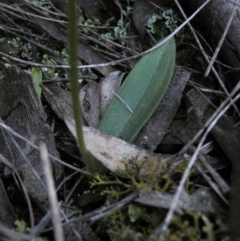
x=122, y=101
x=100, y=213
x=220, y=42
x=51, y=191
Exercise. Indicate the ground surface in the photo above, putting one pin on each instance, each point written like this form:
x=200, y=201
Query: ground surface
x=173, y=202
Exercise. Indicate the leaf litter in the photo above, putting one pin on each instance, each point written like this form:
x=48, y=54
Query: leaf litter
x=175, y=122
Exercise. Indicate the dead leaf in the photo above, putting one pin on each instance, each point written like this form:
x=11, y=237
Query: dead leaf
x=202, y=200
x=7, y=215
x=21, y=110
x=59, y=100
x=95, y=97
x=89, y=101
x=108, y=87
x=183, y=129
x=114, y=153
x=91, y=8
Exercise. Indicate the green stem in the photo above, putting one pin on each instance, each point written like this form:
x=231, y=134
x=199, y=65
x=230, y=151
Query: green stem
x=73, y=40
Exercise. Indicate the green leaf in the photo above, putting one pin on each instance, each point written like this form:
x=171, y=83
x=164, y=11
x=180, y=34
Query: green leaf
x=21, y=226
x=135, y=212
x=142, y=91
x=37, y=79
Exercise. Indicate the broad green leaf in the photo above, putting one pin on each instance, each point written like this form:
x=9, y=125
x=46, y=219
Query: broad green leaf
x=141, y=91
x=37, y=79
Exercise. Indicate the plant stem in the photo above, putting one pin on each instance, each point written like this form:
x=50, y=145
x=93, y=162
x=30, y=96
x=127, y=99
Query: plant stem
x=73, y=40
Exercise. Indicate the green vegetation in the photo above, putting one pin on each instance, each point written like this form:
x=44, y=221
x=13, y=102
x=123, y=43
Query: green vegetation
x=141, y=91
